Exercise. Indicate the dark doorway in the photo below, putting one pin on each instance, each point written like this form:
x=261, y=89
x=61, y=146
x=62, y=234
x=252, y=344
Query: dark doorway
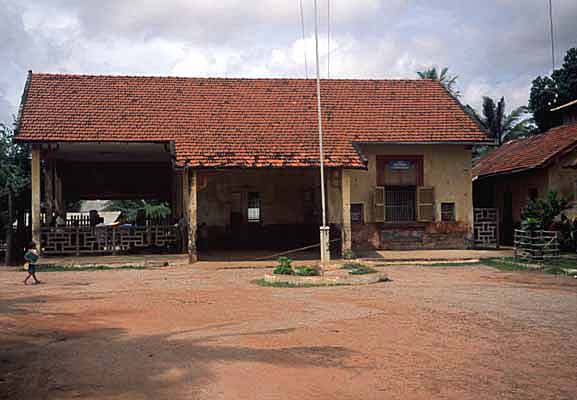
x=507, y=223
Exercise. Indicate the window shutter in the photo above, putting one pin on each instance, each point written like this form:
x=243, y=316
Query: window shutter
x=426, y=204
x=379, y=204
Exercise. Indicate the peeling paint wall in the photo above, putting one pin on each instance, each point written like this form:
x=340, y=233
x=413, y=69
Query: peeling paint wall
x=447, y=168
x=284, y=195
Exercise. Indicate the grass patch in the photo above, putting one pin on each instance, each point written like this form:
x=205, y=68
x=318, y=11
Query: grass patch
x=451, y=264
x=358, y=269
x=63, y=268
x=264, y=283
x=306, y=271
x=554, y=267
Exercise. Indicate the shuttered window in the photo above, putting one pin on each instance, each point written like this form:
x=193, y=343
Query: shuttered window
x=379, y=204
x=425, y=204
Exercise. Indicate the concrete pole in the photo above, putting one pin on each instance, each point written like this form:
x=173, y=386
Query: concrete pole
x=324, y=229
x=59, y=206
x=35, y=188
x=346, y=212
x=192, y=220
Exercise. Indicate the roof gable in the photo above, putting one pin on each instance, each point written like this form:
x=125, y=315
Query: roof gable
x=533, y=152
x=217, y=122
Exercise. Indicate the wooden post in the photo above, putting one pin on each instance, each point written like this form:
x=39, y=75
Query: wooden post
x=9, y=230
x=346, y=212
x=35, y=188
x=192, y=256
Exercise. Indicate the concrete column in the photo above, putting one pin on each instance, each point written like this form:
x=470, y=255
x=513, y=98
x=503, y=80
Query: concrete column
x=59, y=206
x=192, y=221
x=49, y=190
x=346, y=212
x=35, y=188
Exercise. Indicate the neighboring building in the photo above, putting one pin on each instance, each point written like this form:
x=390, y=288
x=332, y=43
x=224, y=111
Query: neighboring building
x=527, y=168
x=239, y=158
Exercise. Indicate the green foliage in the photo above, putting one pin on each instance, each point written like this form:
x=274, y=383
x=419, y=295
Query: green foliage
x=554, y=267
x=152, y=208
x=549, y=92
x=306, y=271
x=265, y=283
x=501, y=126
x=568, y=229
x=349, y=255
x=448, y=81
x=284, y=267
x=358, y=269
x=14, y=160
x=540, y=214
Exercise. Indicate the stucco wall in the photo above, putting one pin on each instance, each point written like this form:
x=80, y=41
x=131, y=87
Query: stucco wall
x=282, y=194
x=447, y=168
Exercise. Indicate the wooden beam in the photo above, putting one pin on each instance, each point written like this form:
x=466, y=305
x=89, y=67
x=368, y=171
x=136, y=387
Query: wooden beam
x=192, y=221
x=346, y=240
x=35, y=188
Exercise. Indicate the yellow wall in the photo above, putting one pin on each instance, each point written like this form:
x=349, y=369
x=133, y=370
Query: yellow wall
x=447, y=168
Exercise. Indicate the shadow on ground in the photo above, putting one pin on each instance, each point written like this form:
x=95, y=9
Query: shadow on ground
x=49, y=362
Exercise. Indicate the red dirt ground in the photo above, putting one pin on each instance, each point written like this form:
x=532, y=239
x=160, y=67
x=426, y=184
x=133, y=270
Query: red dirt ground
x=204, y=333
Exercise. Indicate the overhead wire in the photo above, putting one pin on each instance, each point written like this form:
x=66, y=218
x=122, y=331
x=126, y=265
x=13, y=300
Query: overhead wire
x=304, y=38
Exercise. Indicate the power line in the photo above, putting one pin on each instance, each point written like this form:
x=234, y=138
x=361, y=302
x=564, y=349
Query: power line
x=552, y=34
x=304, y=38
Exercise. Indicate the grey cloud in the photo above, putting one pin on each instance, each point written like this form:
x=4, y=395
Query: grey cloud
x=496, y=46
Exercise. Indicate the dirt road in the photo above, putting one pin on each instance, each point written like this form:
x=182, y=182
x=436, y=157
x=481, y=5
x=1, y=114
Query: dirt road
x=203, y=333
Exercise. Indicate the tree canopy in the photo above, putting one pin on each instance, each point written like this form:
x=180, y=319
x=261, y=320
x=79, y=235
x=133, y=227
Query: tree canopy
x=548, y=92
x=448, y=81
x=152, y=208
x=14, y=161
x=502, y=126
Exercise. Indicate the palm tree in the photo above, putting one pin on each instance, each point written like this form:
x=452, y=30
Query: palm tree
x=443, y=77
x=501, y=126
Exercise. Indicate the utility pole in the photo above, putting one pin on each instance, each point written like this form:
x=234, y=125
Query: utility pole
x=324, y=229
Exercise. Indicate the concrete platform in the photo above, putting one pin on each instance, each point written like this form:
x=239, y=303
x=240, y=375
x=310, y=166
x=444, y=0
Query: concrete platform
x=434, y=255
x=262, y=259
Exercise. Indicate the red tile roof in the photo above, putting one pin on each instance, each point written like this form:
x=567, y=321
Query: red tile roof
x=533, y=152
x=216, y=122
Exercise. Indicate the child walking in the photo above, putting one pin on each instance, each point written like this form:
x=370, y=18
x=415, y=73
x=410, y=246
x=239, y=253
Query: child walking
x=31, y=256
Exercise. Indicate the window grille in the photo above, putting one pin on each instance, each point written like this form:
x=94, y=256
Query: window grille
x=400, y=203
x=448, y=212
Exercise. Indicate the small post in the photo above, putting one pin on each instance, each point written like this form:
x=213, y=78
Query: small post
x=192, y=222
x=35, y=188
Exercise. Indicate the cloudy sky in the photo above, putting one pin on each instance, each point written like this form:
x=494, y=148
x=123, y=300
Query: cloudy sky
x=495, y=46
